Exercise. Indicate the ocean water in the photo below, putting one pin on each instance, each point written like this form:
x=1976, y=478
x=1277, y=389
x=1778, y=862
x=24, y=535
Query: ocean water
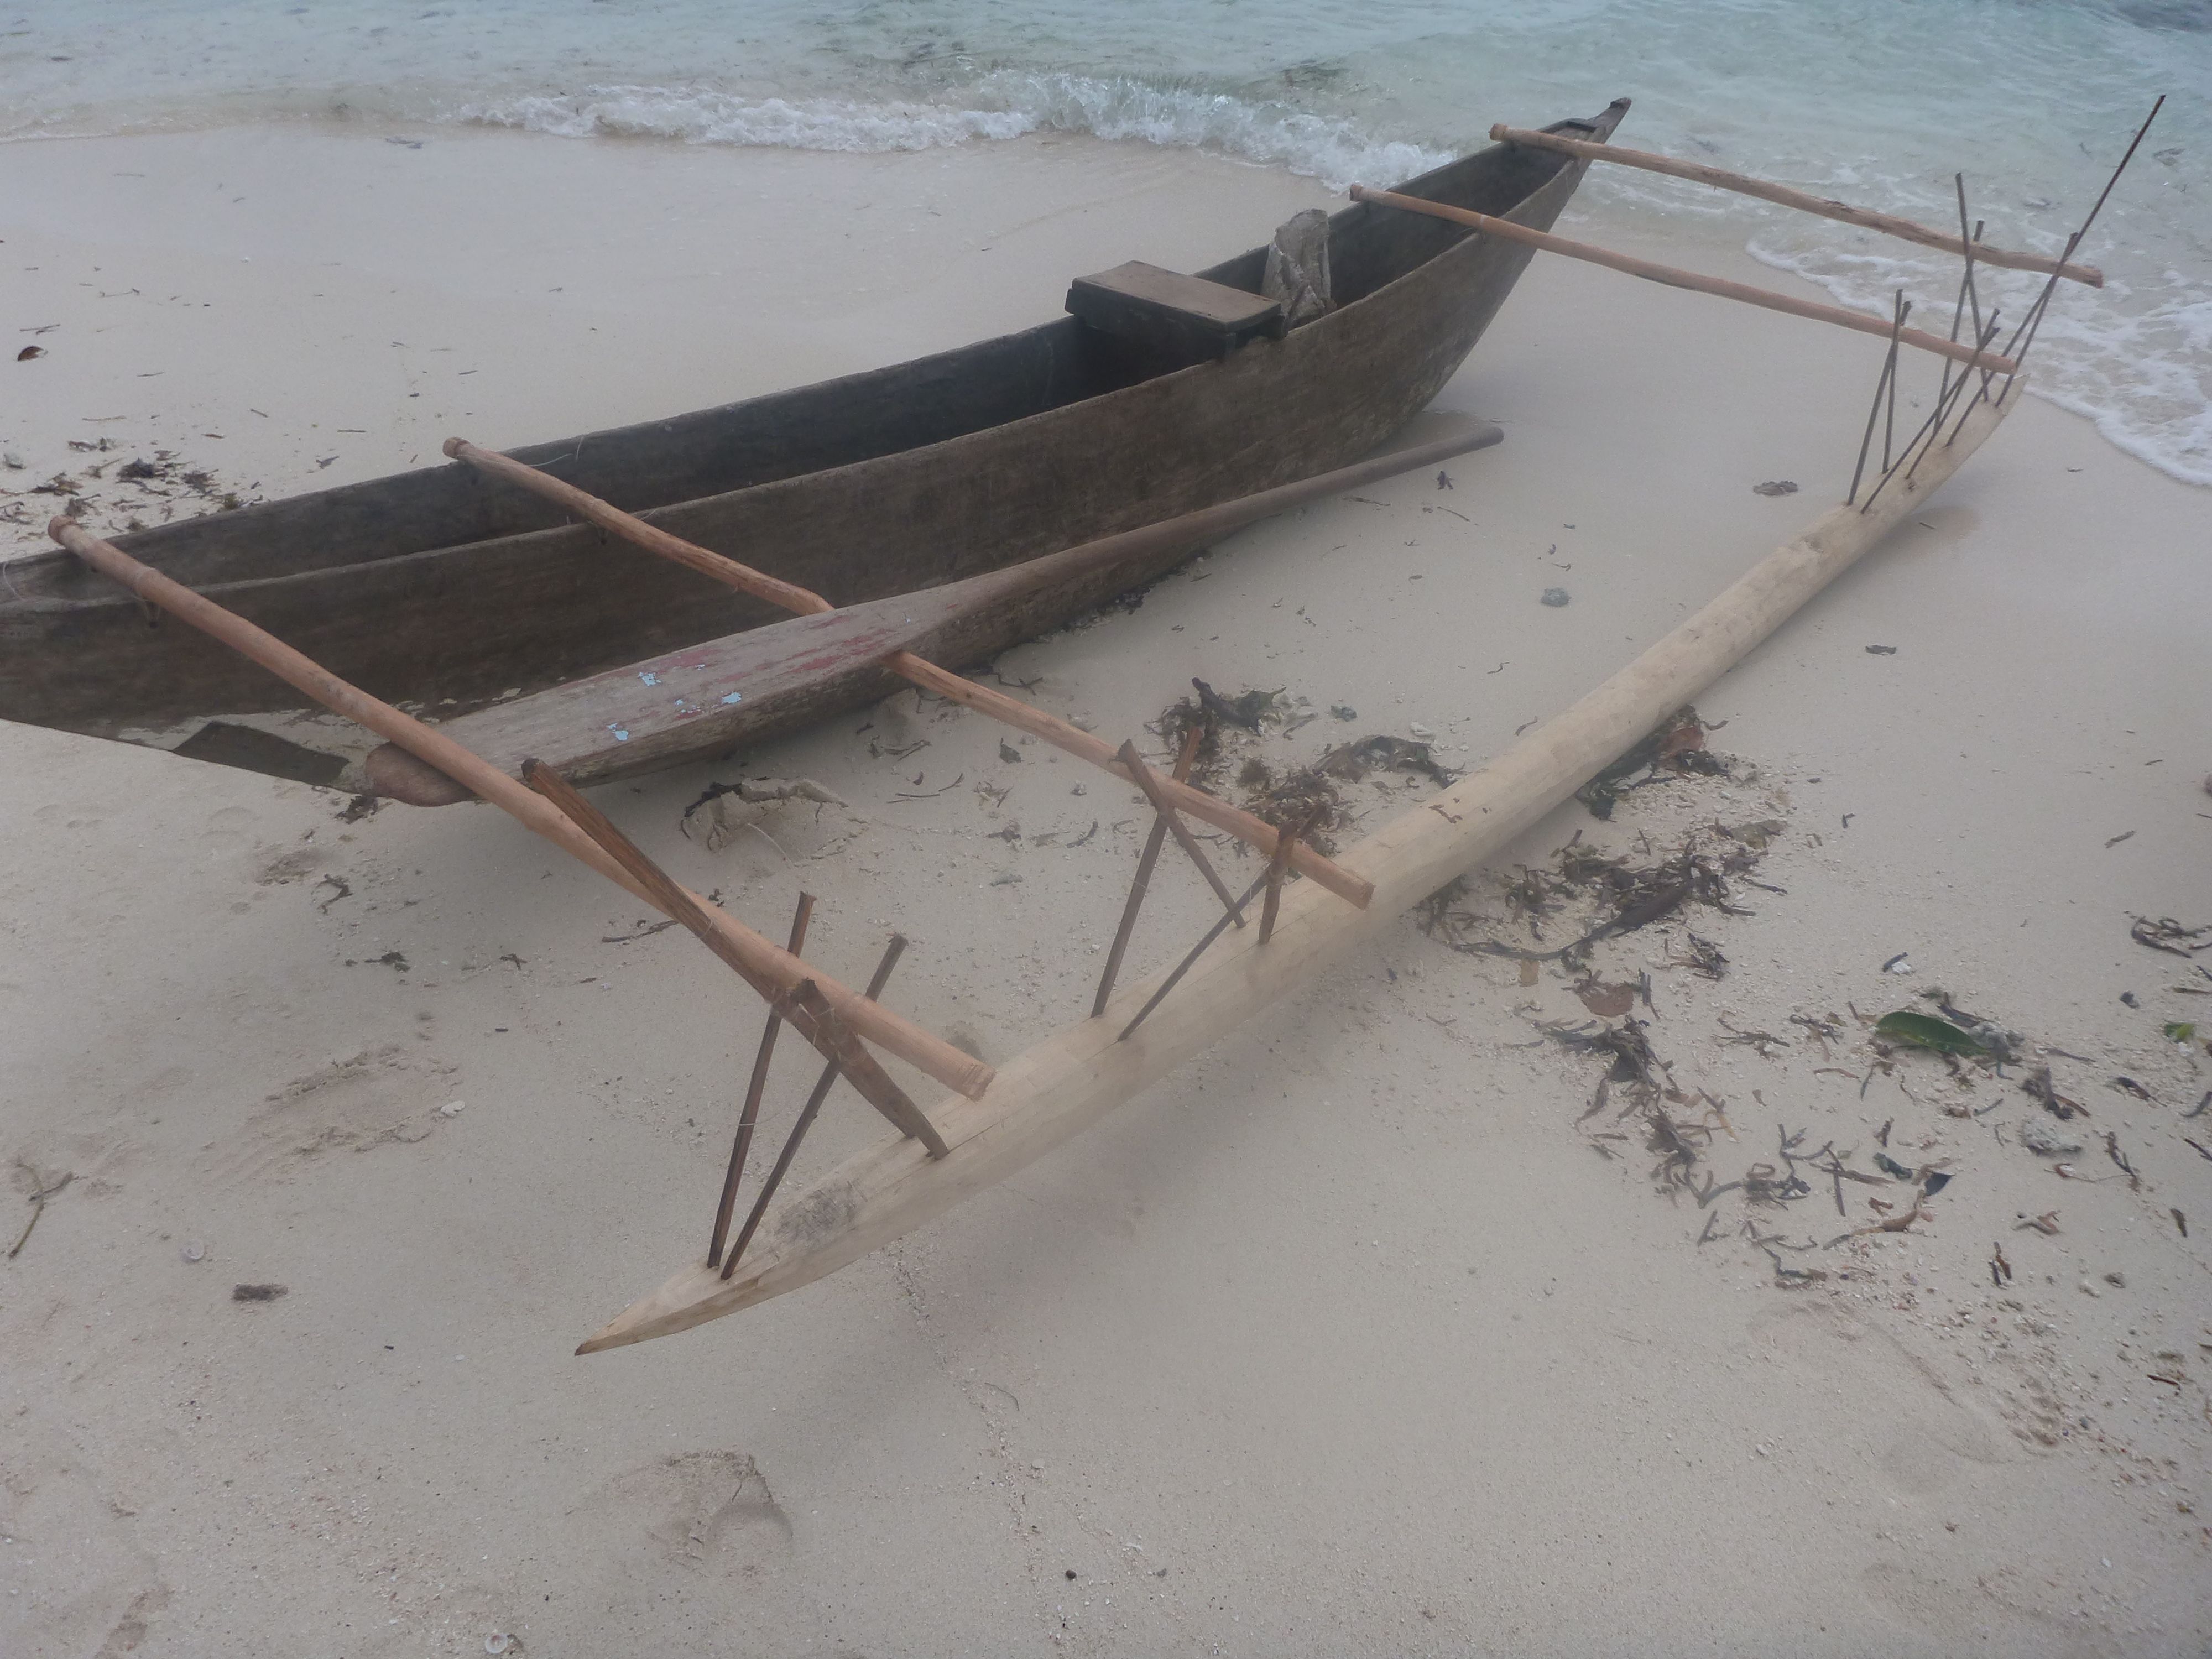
x=1877, y=101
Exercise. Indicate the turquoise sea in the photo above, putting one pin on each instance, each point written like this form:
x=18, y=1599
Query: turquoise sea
x=1879, y=101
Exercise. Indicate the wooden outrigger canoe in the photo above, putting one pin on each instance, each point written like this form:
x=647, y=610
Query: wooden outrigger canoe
x=445, y=589
x=1063, y=1084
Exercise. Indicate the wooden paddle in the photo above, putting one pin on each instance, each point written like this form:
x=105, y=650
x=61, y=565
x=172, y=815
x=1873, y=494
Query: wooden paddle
x=627, y=720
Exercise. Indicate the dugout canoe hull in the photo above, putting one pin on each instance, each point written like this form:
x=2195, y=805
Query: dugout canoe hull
x=448, y=591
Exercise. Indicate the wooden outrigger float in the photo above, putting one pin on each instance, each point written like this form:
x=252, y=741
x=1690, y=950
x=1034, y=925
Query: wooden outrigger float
x=1062, y=1086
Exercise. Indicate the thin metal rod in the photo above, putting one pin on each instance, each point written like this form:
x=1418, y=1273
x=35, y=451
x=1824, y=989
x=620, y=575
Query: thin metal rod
x=1873, y=410
x=1274, y=899
x=1924, y=437
x=1150, y=857
x=1142, y=776
x=2133, y=144
x=1889, y=414
x=807, y=1116
x=2034, y=320
x=835, y=1038
x=1973, y=295
x=1958, y=316
x=1219, y=928
x=1958, y=396
x=1280, y=864
x=751, y=1113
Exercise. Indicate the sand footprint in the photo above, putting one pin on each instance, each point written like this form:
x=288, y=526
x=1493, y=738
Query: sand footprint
x=226, y=830
x=713, y=1514
x=1928, y=1435
x=378, y=1097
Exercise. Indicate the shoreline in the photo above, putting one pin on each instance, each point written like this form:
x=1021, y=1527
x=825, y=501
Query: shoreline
x=1341, y=1325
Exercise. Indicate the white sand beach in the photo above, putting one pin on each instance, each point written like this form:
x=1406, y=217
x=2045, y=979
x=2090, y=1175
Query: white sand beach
x=1357, y=1335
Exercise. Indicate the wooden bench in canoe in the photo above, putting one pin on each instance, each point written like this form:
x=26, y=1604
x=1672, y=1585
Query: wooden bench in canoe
x=446, y=589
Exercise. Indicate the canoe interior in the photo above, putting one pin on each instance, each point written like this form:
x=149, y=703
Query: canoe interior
x=442, y=588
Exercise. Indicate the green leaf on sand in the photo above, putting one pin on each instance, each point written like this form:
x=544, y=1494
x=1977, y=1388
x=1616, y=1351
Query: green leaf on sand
x=2179, y=1031
x=1926, y=1031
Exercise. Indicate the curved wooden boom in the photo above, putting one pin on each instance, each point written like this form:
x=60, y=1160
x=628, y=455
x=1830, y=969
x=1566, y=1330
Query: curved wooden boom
x=1909, y=230
x=769, y=969
x=1674, y=276
x=1070, y=1080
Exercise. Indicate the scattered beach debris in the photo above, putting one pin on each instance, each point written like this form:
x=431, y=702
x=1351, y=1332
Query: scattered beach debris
x=1881, y=651
x=40, y=1197
x=1631, y=896
x=1676, y=749
x=1925, y=1031
x=1555, y=596
x=258, y=1292
x=193, y=1250
x=1249, y=709
x=2169, y=936
x=1353, y=762
x=2038, y=1083
x=133, y=488
x=1776, y=487
x=1605, y=1001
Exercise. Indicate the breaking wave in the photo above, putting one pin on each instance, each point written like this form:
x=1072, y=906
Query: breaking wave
x=1004, y=106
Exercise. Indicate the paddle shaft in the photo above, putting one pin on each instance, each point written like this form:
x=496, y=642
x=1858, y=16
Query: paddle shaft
x=1672, y=277
x=773, y=971
x=1888, y=223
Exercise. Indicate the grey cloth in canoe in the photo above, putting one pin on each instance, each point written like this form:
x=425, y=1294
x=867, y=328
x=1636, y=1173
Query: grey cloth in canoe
x=1298, y=267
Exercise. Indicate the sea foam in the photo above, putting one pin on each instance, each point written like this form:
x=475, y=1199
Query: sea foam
x=1007, y=106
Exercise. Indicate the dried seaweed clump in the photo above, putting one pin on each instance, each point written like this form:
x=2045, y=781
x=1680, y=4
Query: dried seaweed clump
x=1625, y=896
x=1675, y=749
